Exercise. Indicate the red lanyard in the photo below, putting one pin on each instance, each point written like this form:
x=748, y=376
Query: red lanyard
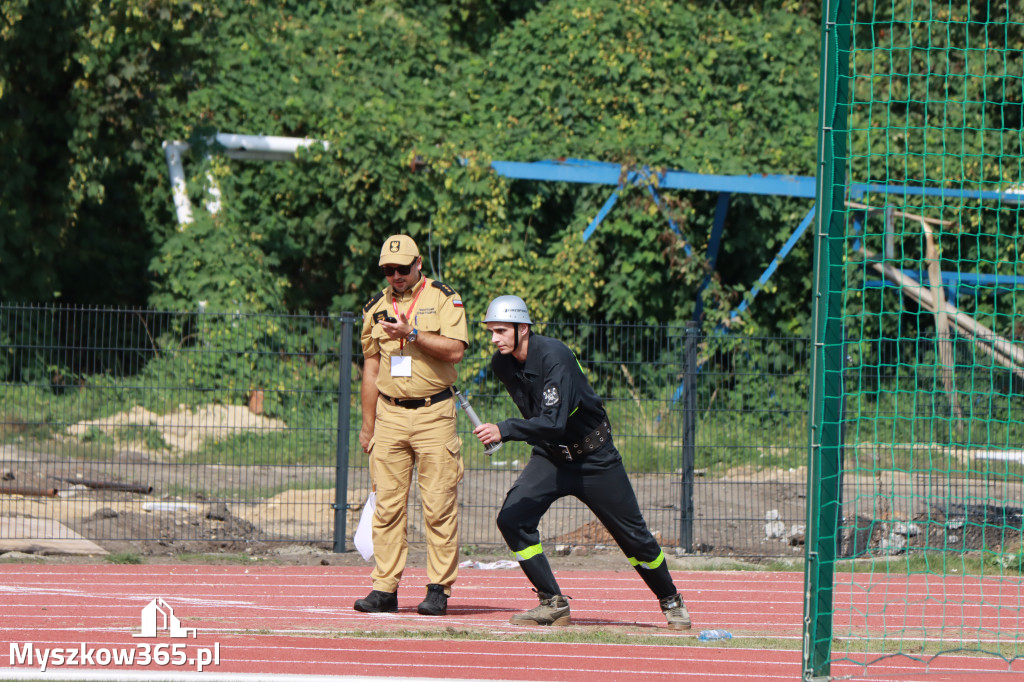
x=408, y=313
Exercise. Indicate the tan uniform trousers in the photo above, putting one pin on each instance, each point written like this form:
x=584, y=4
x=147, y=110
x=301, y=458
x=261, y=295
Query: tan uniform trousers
x=424, y=438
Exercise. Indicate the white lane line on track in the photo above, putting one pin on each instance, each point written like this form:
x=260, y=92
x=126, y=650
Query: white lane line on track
x=474, y=648
x=154, y=676
x=698, y=672
x=151, y=676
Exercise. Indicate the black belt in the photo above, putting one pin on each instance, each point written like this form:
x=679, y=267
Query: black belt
x=413, y=403
x=594, y=440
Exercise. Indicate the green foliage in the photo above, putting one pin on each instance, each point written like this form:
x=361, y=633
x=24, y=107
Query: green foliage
x=27, y=412
x=6, y=354
x=169, y=363
x=34, y=130
x=634, y=83
x=215, y=262
x=660, y=83
x=292, y=360
x=86, y=97
x=953, y=122
x=414, y=101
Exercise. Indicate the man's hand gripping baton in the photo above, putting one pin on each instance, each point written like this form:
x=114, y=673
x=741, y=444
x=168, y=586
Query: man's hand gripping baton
x=471, y=413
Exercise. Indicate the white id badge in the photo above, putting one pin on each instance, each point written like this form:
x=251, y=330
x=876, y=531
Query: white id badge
x=401, y=365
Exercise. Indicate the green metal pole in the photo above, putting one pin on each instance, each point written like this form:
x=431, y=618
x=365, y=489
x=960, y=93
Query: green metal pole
x=344, y=420
x=825, y=424
x=689, y=435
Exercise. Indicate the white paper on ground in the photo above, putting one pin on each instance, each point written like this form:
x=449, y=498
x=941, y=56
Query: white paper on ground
x=364, y=531
x=501, y=563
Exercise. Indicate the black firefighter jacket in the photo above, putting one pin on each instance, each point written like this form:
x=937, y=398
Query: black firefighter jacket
x=557, y=402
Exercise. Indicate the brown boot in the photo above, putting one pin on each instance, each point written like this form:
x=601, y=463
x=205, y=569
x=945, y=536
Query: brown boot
x=675, y=612
x=553, y=610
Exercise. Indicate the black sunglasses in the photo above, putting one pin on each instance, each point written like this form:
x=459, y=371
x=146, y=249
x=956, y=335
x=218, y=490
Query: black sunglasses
x=390, y=270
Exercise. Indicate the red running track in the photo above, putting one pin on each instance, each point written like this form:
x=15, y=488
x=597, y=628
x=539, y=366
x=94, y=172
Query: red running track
x=263, y=621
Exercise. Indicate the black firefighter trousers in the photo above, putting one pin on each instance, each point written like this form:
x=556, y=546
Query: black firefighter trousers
x=599, y=480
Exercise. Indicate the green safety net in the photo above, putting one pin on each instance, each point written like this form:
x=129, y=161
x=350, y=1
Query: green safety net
x=915, y=547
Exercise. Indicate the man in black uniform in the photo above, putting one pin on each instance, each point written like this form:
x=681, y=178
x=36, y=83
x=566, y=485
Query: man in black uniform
x=573, y=454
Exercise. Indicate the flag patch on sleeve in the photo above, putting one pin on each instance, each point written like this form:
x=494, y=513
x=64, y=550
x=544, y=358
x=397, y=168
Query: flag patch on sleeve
x=457, y=303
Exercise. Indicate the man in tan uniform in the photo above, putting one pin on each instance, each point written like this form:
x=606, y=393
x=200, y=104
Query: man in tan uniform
x=414, y=332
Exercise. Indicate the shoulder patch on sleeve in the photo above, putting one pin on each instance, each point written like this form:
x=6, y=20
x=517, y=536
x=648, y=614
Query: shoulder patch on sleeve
x=447, y=290
x=372, y=301
x=551, y=397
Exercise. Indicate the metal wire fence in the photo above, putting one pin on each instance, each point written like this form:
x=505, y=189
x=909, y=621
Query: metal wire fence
x=169, y=428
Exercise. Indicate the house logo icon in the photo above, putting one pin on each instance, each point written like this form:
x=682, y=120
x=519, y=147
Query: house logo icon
x=151, y=621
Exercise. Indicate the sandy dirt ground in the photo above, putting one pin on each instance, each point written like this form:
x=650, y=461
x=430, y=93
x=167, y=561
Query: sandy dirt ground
x=161, y=518
x=152, y=505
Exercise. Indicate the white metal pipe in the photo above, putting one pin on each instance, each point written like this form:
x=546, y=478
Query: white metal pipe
x=269, y=147
x=250, y=147
x=182, y=206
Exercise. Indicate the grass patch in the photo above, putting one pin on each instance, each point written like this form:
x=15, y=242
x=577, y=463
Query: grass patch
x=933, y=563
x=258, y=631
x=647, y=445
x=148, y=436
x=124, y=558
x=299, y=446
x=790, y=565
x=95, y=434
x=98, y=450
x=917, y=646
x=582, y=635
x=721, y=564
x=569, y=635
x=15, y=429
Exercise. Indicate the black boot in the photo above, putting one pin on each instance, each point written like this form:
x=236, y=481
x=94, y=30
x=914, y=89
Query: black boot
x=378, y=602
x=436, y=603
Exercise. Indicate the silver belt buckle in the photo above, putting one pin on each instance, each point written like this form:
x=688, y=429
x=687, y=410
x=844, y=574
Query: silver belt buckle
x=565, y=451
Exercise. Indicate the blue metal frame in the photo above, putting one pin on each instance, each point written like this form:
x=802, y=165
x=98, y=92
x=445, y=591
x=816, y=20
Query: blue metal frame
x=802, y=186
x=603, y=173
x=714, y=243
x=952, y=280
x=955, y=281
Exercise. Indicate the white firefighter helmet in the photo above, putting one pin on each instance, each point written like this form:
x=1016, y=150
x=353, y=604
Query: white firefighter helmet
x=508, y=309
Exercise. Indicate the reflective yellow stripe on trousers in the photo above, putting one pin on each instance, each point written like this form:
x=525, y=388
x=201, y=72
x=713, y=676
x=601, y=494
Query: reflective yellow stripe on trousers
x=529, y=552
x=648, y=564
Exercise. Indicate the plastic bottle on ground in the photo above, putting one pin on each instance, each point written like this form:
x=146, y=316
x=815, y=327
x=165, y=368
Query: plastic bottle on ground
x=708, y=635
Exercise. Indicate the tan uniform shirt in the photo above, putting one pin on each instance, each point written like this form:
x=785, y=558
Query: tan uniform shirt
x=439, y=310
